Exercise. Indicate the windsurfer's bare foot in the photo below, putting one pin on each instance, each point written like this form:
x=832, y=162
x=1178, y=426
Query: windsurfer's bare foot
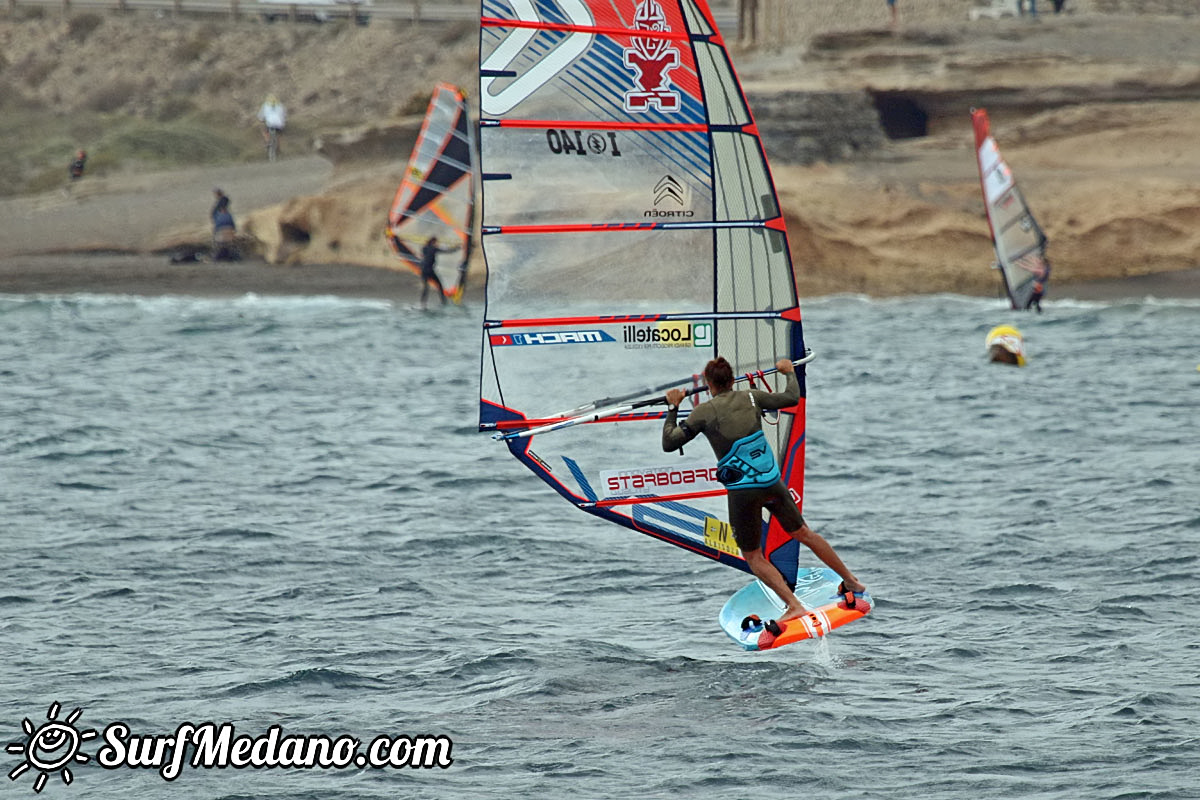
x=793, y=612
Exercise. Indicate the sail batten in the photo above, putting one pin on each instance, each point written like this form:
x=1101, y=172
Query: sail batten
x=559, y=321
x=616, y=227
x=631, y=232
x=496, y=22
x=583, y=124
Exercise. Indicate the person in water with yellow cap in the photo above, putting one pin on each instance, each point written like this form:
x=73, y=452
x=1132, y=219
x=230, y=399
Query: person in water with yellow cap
x=1006, y=345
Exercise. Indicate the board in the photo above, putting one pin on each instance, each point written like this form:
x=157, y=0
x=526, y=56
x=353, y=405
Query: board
x=815, y=588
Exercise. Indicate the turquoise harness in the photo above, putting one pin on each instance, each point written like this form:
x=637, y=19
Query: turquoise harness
x=749, y=464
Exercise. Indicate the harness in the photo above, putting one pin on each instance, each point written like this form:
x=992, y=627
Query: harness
x=749, y=464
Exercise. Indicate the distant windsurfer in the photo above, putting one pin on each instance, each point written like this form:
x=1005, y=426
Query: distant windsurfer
x=1041, y=276
x=428, y=274
x=732, y=423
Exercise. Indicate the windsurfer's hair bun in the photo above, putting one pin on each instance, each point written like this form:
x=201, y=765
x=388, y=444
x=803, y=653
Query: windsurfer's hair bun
x=719, y=373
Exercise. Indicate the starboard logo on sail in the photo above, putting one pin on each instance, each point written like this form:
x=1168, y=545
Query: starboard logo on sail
x=652, y=61
x=619, y=483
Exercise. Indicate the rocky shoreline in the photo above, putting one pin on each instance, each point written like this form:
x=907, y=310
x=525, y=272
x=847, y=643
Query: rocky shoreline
x=869, y=135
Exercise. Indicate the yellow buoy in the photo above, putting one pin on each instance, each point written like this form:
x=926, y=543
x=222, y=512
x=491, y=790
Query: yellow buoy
x=1006, y=345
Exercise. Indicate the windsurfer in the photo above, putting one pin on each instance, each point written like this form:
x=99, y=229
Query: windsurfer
x=428, y=275
x=1039, y=285
x=732, y=423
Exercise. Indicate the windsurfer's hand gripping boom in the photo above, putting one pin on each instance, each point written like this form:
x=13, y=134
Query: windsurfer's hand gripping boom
x=783, y=365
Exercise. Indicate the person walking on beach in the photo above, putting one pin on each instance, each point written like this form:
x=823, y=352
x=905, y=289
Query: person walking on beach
x=732, y=423
x=273, y=116
x=220, y=200
x=428, y=275
x=77, y=165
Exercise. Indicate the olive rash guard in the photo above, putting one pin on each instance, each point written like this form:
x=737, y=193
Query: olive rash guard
x=727, y=417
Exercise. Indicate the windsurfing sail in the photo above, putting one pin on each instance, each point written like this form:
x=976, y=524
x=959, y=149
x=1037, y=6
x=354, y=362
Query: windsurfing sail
x=631, y=232
x=1019, y=241
x=436, y=197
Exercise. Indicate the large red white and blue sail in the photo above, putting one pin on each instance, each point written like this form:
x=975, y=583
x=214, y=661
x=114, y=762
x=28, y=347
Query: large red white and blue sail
x=631, y=232
x=1019, y=241
x=436, y=196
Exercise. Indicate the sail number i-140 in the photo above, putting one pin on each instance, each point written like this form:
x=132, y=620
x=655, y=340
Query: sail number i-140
x=569, y=142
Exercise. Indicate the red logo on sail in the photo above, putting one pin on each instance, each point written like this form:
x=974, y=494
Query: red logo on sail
x=652, y=61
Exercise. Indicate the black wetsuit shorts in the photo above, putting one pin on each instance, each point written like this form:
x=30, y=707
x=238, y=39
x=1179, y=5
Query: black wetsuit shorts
x=745, y=513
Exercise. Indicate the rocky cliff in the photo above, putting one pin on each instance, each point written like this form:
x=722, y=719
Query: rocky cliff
x=868, y=128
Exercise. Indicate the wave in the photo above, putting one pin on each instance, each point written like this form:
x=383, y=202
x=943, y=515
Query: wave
x=243, y=534
x=316, y=677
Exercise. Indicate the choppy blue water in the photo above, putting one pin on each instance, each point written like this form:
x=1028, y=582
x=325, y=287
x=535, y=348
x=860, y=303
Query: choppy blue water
x=278, y=512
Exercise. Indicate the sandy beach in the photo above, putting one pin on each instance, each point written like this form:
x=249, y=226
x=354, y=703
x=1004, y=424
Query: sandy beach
x=61, y=244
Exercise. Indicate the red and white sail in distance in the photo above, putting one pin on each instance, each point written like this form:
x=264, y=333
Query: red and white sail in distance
x=1019, y=241
x=632, y=232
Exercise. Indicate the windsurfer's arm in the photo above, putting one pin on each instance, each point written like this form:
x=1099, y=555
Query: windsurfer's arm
x=790, y=394
x=675, y=435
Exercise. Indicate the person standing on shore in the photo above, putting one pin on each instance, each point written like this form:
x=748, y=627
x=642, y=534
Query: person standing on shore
x=220, y=200
x=77, y=165
x=224, y=230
